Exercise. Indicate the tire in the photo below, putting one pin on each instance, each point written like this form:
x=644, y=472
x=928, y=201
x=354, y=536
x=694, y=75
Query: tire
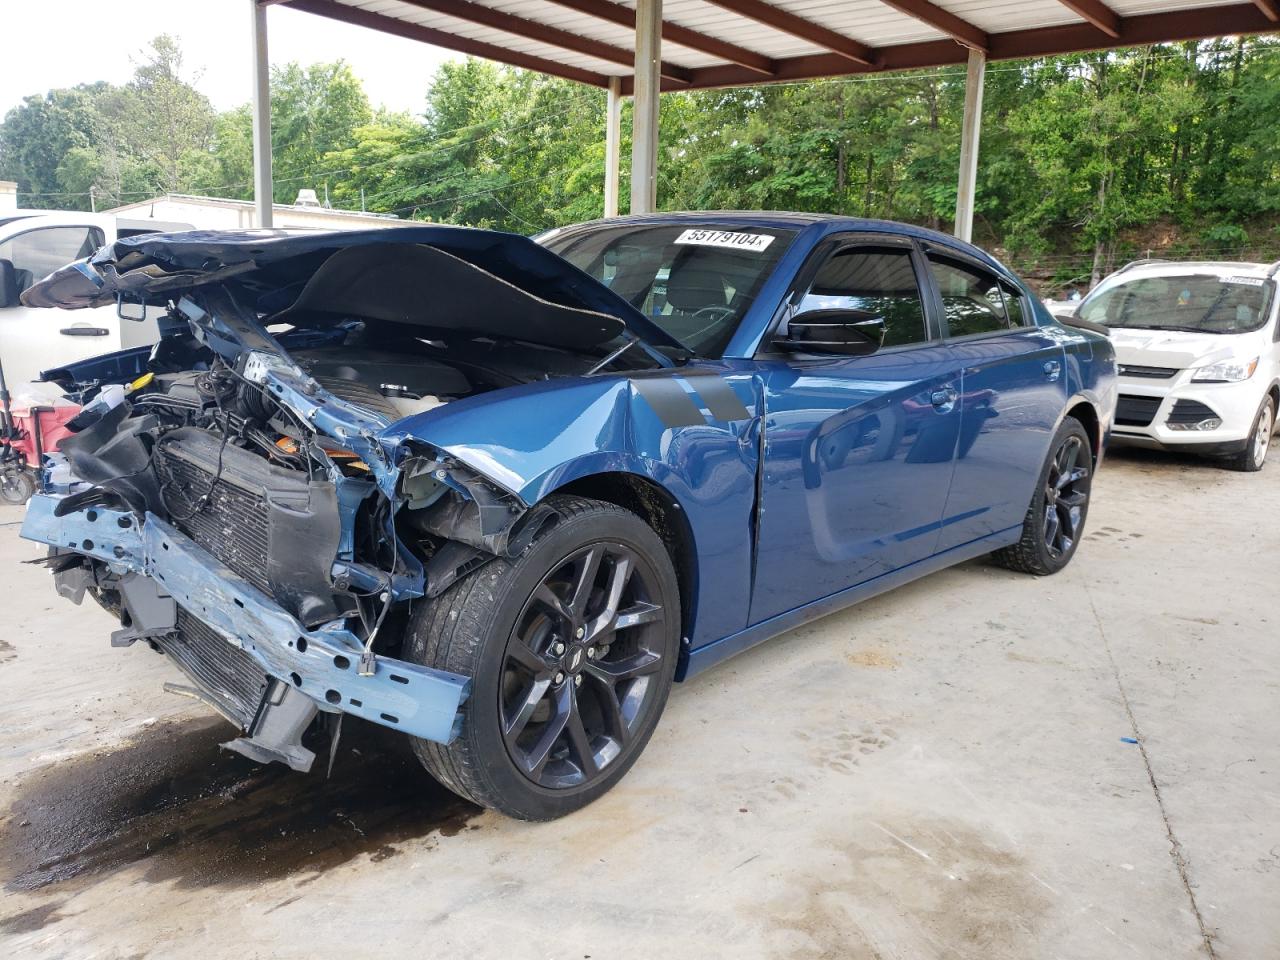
x=563, y=697
x=16, y=486
x=1054, y=524
x=1254, y=456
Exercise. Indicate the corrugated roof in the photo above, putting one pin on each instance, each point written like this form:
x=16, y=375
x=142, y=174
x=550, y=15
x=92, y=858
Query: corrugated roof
x=708, y=43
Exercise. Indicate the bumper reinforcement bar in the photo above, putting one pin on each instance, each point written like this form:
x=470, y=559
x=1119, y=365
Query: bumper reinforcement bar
x=319, y=663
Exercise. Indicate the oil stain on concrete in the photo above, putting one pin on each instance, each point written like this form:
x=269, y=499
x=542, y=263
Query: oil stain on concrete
x=953, y=890
x=188, y=812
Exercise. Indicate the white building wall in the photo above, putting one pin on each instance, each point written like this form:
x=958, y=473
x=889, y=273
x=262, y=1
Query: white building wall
x=212, y=213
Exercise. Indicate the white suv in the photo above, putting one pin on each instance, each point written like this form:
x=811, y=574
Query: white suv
x=1198, y=358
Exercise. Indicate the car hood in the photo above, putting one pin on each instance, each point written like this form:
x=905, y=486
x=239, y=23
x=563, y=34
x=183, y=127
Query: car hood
x=494, y=283
x=1175, y=349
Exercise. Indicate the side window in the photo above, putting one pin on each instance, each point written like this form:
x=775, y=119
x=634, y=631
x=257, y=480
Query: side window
x=971, y=299
x=879, y=280
x=37, y=253
x=1015, y=306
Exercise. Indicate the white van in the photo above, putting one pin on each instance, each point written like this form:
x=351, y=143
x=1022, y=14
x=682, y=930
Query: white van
x=32, y=245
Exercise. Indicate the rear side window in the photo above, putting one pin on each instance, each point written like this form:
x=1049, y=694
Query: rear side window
x=1015, y=306
x=972, y=299
x=879, y=280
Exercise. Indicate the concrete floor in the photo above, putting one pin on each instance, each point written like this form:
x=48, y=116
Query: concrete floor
x=943, y=772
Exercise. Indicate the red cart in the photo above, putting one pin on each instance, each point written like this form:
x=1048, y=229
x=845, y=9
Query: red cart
x=25, y=434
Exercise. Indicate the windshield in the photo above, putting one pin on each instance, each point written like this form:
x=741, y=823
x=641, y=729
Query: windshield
x=1199, y=303
x=695, y=282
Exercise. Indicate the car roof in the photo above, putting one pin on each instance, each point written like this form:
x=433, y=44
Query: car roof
x=765, y=218
x=778, y=219
x=1178, y=268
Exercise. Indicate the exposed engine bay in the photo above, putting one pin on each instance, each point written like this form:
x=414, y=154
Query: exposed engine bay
x=241, y=505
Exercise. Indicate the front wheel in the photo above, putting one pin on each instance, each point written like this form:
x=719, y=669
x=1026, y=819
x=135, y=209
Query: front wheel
x=1054, y=522
x=1254, y=455
x=571, y=648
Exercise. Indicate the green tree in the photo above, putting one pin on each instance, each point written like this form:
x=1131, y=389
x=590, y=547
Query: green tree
x=315, y=111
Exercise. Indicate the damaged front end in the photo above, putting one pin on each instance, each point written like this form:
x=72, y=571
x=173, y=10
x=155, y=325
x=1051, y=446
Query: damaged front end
x=252, y=518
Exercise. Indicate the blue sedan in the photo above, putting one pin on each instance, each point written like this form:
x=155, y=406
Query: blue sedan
x=499, y=493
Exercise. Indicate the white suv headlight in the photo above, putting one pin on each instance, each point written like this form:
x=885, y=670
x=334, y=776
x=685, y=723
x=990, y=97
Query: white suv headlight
x=1226, y=371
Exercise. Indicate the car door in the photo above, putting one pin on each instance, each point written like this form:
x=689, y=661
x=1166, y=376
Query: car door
x=34, y=339
x=857, y=451
x=1012, y=391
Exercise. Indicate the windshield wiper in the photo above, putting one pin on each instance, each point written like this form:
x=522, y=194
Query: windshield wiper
x=1156, y=326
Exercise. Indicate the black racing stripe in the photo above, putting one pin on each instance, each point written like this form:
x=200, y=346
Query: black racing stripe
x=718, y=397
x=674, y=407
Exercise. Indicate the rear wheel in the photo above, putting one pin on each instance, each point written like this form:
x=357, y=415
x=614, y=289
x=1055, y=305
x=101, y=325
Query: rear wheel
x=1254, y=455
x=1054, y=522
x=16, y=485
x=571, y=648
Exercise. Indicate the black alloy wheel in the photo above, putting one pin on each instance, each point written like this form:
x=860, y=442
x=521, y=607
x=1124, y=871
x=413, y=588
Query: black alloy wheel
x=1066, y=496
x=580, y=667
x=571, y=648
x=1054, y=523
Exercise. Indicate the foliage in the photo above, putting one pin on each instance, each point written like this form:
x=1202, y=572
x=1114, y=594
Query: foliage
x=1084, y=158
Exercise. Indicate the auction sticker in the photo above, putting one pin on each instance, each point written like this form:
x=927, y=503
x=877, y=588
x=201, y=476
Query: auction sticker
x=753, y=242
x=1248, y=281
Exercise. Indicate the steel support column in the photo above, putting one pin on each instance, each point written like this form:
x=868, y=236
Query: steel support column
x=261, y=116
x=612, y=146
x=644, y=107
x=969, y=137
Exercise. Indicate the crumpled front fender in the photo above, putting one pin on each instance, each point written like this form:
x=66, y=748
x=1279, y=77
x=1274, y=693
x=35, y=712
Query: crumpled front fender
x=691, y=431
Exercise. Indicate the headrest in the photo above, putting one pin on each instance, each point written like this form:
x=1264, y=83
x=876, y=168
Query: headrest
x=692, y=287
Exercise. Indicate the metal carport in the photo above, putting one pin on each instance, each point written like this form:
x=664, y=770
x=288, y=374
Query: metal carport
x=640, y=48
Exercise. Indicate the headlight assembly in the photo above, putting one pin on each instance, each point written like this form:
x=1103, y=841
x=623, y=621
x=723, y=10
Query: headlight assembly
x=1226, y=371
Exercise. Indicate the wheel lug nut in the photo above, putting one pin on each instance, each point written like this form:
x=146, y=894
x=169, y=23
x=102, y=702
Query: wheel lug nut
x=591, y=653
x=559, y=678
x=580, y=632
x=577, y=681
x=558, y=649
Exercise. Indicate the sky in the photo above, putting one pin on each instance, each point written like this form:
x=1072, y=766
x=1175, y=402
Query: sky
x=101, y=40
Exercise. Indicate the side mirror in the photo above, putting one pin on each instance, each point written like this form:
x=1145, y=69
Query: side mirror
x=848, y=333
x=1073, y=320
x=8, y=284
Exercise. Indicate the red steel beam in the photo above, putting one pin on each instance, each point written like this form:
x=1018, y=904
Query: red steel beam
x=785, y=22
x=1098, y=14
x=1192, y=24
x=626, y=17
x=522, y=27
x=439, y=38
x=930, y=13
x=1195, y=24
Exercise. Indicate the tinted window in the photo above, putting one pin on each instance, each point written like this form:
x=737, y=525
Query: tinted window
x=694, y=282
x=38, y=253
x=1203, y=303
x=1015, y=306
x=971, y=299
x=880, y=281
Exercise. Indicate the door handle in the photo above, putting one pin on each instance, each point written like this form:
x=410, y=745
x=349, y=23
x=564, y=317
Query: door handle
x=84, y=331
x=943, y=398
x=1052, y=370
